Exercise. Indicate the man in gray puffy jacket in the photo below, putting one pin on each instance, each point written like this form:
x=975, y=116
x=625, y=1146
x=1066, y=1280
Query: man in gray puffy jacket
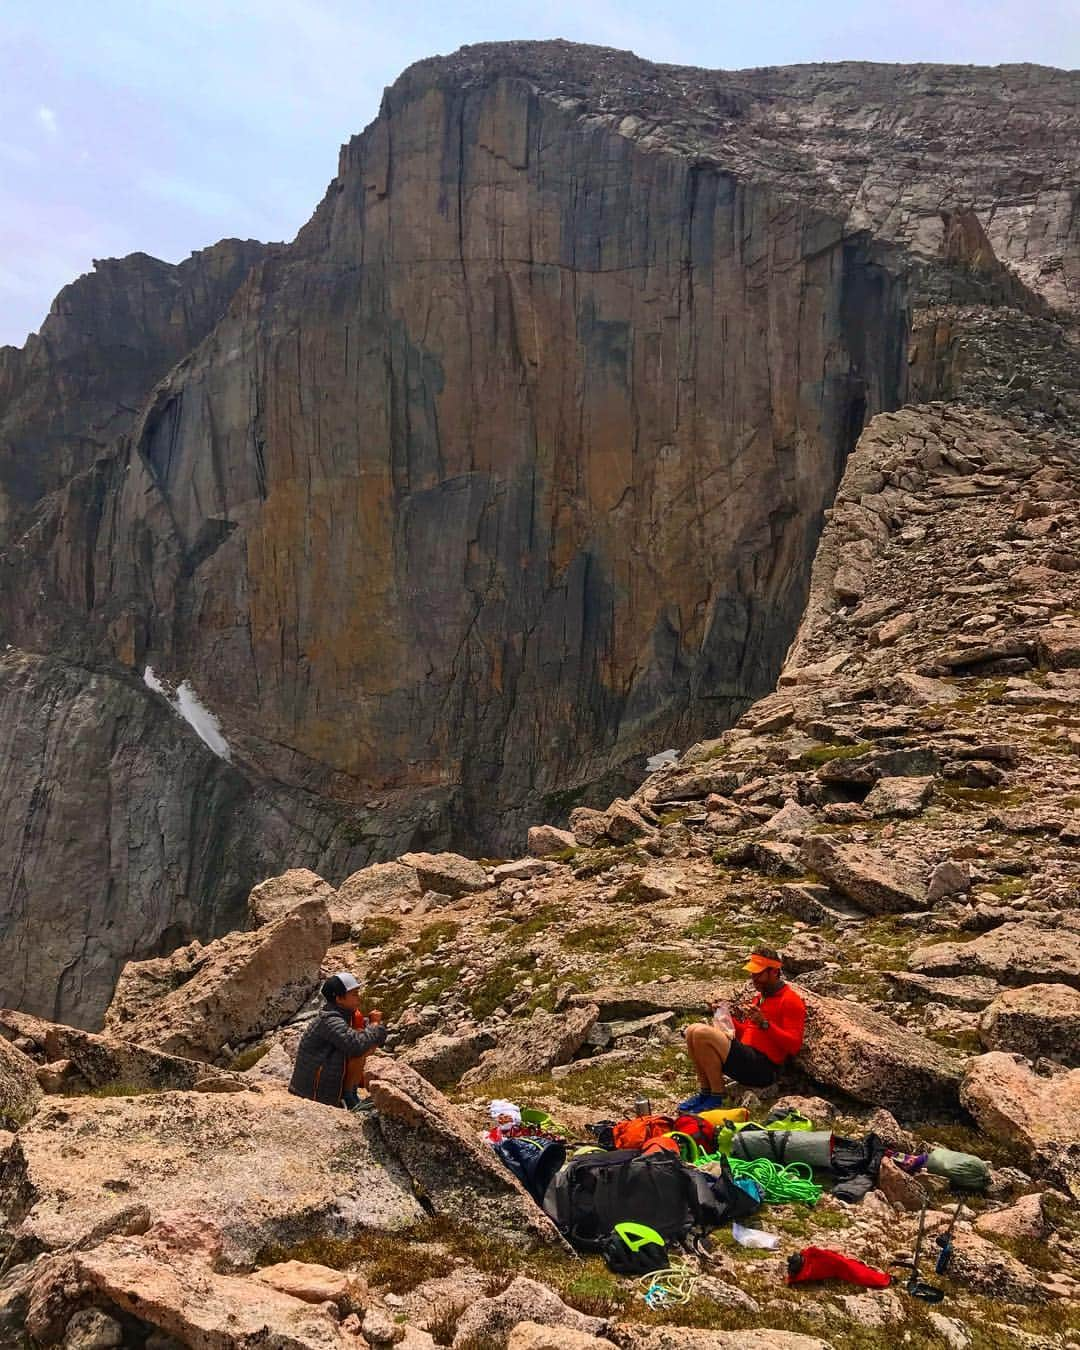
x=323, y=1058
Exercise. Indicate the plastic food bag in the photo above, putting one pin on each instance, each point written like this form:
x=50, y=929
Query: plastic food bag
x=722, y=1019
x=754, y=1237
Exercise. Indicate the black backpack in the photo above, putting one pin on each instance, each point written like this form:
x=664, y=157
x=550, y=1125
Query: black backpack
x=595, y=1192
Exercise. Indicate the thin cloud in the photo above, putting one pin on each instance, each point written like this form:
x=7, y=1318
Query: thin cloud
x=201, y=198
x=47, y=120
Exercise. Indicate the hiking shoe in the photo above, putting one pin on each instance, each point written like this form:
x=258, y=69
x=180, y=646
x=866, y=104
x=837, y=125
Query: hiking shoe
x=692, y=1105
x=364, y=1107
x=709, y=1101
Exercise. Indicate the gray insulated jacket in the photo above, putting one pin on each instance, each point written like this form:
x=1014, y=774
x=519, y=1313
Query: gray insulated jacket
x=319, y=1071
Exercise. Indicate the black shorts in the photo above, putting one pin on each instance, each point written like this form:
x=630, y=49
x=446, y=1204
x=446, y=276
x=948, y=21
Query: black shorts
x=750, y=1067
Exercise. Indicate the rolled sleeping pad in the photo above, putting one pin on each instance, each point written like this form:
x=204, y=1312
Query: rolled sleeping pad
x=784, y=1146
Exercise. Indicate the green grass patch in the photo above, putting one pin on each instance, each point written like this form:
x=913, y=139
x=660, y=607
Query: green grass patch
x=395, y=1262
x=505, y=979
x=597, y=937
x=1008, y=889
x=434, y=935
x=376, y=932
x=121, y=1090
x=394, y=984
x=705, y=927
x=247, y=1059
x=991, y=796
x=539, y=922
x=647, y=966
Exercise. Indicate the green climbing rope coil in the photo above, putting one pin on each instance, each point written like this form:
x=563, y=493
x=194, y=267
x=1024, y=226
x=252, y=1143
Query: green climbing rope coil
x=779, y=1185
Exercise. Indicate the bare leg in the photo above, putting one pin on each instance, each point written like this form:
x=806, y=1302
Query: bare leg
x=354, y=1072
x=708, y=1049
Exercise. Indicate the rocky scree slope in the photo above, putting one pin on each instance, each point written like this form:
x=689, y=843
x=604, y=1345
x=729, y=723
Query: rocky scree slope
x=507, y=471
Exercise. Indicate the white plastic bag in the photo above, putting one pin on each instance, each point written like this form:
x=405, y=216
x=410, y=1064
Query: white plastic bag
x=722, y=1019
x=754, y=1237
x=505, y=1115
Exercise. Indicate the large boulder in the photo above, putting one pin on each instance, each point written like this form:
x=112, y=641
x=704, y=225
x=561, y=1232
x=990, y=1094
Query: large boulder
x=1059, y=648
x=898, y=796
x=969, y=993
x=868, y=1056
x=179, y=1296
x=448, y=873
x=986, y=1269
x=315, y=1284
x=1014, y=954
x=449, y=1165
x=544, y=840
x=442, y=1059
x=1038, y=1019
x=589, y=826
x=102, y=1060
x=382, y=888
x=277, y=896
x=1011, y=1102
x=919, y=691
x=1026, y=1219
x=489, y=1321
x=624, y=824
x=535, y=1046
x=235, y=989
x=618, y=1001
x=877, y=764
x=267, y=1168
x=20, y=1091
x=876, y=883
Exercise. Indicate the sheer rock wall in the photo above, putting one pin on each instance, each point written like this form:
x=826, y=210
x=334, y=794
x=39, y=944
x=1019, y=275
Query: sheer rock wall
x=508, y=471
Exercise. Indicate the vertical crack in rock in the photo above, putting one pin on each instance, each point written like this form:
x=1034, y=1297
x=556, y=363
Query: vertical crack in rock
x=506, y=472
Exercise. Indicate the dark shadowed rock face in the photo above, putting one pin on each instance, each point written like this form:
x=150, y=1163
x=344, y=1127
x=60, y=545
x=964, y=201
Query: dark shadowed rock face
x=110, y=336
x=507, y=472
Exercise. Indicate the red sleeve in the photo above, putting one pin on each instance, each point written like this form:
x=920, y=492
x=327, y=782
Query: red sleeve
x=740, y=1027
x=788, y=1024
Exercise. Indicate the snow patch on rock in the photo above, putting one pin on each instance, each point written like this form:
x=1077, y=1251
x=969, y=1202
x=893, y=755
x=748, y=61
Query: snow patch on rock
x=186, y=702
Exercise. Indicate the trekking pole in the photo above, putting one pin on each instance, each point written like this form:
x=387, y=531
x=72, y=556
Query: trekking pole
x=944, y=1241
x=929, y=1293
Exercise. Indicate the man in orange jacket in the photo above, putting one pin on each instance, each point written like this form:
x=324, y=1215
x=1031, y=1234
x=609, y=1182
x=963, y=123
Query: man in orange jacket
x=769, y=1032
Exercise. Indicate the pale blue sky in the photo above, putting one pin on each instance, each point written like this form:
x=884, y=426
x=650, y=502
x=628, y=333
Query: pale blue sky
x=164, y=125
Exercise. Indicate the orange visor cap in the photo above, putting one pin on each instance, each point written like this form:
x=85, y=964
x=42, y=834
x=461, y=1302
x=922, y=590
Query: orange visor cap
x=756, y=964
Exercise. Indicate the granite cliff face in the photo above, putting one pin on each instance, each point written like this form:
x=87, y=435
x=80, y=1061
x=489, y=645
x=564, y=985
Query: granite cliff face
x=506, y=472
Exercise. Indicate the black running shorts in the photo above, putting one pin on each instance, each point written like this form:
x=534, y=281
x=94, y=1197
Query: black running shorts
x=750, y=1067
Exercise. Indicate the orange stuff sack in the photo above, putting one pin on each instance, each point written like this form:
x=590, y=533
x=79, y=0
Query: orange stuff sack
x=638, y=1130
x=663, y=1143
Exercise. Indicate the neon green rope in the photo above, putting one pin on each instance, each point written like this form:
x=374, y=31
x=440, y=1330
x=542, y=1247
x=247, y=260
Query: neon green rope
x=793, y=1184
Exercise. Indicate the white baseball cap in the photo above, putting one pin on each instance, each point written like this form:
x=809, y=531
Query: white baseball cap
x=348, y=982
